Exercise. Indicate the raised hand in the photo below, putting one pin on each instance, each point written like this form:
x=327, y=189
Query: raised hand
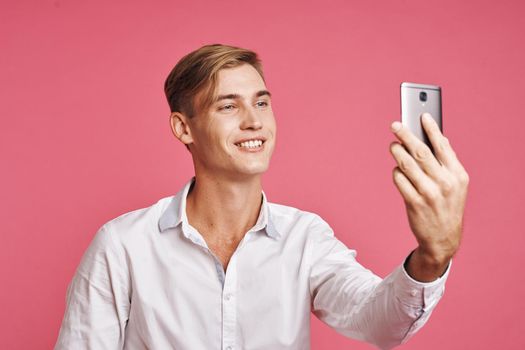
x=434, y=189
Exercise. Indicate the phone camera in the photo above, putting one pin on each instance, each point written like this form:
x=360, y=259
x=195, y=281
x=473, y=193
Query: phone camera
x=423, y=96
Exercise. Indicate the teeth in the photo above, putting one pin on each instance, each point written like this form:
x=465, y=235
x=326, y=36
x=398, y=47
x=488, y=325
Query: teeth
x=251, y=144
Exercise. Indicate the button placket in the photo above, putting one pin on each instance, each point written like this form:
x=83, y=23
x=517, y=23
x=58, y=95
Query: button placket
x=218, y=268
x=229, y=310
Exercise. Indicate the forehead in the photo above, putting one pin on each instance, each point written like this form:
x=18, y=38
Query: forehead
x=243, y=79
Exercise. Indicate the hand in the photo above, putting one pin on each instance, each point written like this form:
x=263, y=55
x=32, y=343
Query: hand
x=434, y=189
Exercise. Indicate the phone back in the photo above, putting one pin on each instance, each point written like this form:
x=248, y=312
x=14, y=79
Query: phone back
x=417, y=99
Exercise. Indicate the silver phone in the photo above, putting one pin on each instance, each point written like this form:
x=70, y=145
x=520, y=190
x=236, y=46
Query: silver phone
x=417, y=99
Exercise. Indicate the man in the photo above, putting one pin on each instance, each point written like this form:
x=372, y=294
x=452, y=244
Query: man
x=217, y=266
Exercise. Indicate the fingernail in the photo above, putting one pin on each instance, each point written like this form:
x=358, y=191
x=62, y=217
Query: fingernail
x=395, y=126
x=427, y=117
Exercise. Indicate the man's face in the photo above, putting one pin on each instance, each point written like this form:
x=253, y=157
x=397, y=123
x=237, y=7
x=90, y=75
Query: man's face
x=227, y=137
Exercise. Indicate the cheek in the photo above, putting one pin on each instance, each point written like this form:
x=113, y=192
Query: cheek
x=271, y=125
x=219, y=134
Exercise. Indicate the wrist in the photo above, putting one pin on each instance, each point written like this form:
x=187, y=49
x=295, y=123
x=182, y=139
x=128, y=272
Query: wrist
x=425, y=267
x=431, y=259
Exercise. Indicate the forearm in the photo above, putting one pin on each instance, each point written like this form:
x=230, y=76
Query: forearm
x=398, y=308
x=382, y=312
x=359, y=304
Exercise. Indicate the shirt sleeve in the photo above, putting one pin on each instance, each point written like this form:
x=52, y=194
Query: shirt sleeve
x=359, y=304
x=97, y=298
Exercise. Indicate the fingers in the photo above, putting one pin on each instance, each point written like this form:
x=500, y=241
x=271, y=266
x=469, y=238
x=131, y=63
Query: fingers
x=417, y=148
x=420, y=181
x=441, y=145
x=421, y=168
x=405, y=187
x=407, y=165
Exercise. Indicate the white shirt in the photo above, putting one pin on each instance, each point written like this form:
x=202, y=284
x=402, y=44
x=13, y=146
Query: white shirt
x=149, y=281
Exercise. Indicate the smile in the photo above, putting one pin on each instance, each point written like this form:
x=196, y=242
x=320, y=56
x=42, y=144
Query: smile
x=251, y=145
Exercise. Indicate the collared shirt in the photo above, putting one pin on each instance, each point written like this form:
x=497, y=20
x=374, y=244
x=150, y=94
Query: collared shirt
x=149, y=281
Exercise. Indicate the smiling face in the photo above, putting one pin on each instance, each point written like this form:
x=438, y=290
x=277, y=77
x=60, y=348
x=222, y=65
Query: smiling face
x=235, y=136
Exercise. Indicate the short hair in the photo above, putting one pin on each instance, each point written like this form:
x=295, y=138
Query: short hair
x=197, y=71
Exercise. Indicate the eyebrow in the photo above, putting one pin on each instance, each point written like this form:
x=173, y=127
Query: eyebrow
x=237, y=96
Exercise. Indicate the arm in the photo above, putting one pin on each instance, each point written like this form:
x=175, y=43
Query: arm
x=387, y=312
x=359, y=304
x=97, y=301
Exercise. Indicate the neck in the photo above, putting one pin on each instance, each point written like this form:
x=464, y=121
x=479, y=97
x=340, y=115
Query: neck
x=223, y=209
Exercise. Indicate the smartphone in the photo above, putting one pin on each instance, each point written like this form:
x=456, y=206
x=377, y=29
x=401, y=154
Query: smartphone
x=417, y=99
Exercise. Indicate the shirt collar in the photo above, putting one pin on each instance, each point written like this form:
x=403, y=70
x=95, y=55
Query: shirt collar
x=175, y=213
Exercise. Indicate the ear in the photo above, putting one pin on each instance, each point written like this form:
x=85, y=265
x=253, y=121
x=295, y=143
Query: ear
x=180, y=128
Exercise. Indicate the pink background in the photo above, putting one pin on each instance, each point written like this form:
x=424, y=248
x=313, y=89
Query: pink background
x=85, y=137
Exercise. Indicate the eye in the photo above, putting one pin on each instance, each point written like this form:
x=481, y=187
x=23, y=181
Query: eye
x=262, y=104
x=228, y=107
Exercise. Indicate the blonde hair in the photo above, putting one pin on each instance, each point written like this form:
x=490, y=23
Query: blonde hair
x=197, y=71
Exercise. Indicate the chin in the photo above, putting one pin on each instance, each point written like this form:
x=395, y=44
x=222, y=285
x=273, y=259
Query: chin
x=258, y=169
x=255, y=171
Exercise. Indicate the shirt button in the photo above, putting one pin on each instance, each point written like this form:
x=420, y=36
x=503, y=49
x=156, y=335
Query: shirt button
x=228, y=297
x=413, y=292
x=229, y=348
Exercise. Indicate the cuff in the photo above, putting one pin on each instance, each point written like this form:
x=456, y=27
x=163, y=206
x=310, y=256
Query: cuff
x=416, y=293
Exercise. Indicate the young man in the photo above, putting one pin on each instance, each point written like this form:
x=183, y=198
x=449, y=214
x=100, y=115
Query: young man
x=217, y=266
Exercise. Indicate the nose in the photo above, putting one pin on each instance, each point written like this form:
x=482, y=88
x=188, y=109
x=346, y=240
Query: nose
x=251, y=119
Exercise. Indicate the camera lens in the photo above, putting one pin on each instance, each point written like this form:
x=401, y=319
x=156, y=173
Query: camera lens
x=423, y=96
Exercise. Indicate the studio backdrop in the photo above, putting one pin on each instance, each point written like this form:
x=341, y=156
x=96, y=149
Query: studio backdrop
x=85, y=137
